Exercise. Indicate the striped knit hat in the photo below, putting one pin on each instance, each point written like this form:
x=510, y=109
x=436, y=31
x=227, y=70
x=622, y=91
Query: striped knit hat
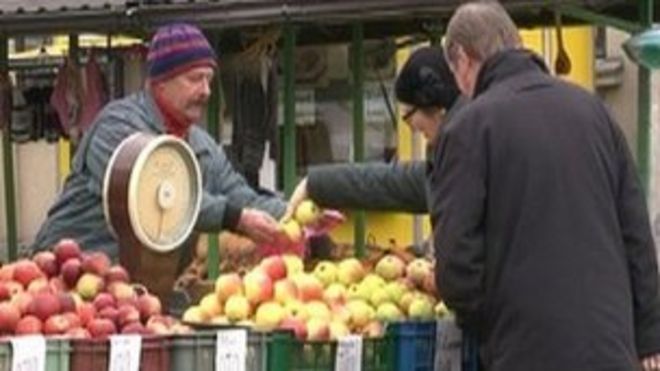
x=176, y=48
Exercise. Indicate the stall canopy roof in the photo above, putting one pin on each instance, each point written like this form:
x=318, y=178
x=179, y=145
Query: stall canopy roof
x=41, y=16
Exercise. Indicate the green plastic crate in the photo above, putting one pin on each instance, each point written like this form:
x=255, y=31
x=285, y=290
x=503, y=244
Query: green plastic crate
x=286, y=353
x=197, y=351
x=58, y=352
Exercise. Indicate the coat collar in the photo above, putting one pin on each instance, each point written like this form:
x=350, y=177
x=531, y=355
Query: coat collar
x=506, y=64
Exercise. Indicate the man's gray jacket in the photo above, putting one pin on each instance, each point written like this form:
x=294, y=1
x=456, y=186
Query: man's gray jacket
x=78, y=212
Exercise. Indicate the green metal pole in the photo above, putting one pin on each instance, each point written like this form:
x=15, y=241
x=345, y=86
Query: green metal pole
x=289, y=140
x=644, y=104
x=8, y=164
x=213, y=126
x=357, y=68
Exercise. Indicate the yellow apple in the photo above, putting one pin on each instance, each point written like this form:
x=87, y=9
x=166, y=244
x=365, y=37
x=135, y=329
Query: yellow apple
x=209, y=306
x=307, y=213
x=237, y=308
x=292, y=230
x=269, y=315
x=326, y=272
x=294, y=264
x=350, y=271
x=228, y=284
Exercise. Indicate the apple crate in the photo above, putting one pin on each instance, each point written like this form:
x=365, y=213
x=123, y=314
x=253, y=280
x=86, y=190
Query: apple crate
x=286, y=353
x=94, y=354
x=57, y=355
x=196, y=351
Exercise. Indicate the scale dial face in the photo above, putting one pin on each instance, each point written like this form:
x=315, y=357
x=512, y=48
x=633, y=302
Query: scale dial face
x=164, y=192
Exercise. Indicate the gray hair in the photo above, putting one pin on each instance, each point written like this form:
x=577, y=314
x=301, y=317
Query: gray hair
x=482, y=29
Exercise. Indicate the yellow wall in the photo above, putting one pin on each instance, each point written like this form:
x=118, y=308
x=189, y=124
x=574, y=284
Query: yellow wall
x=579, y=45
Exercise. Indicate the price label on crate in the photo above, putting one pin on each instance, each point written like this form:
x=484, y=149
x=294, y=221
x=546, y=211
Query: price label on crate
x=349, y=354
x=231, y=350
x=125, y=352
x=29, y=353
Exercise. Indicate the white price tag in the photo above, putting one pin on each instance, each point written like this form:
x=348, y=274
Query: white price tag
x=231, y=350
x=125, y=352
x=349, y=354
x=29, y=353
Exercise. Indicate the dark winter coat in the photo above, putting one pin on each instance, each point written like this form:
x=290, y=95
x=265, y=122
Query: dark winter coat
x=541, y=231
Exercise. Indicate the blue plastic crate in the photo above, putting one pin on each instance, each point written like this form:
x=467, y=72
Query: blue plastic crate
x=414, y=344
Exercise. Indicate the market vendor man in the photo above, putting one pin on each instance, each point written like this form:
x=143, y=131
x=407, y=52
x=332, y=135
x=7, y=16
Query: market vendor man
x=181, y=66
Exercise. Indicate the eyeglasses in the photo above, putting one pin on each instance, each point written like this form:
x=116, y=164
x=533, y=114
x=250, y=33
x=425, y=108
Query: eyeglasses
x=406, y=116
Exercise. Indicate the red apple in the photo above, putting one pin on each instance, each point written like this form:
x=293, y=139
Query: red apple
x=73, y=319
x=22, y=301
x=309, y=287
x=26, y=271
x=110, y=313
x=86, y=312
x=78, y=333
x=47, y=262
x=274, y=267
x=96, y=262
x=135, y=328
x=44, y=305
x=66, y=249
x=101, y=327
x=7, y=272
x=55, y=325
x=9, y=317
x=56, y=284
x=39, y=285
x=29, y=325
x=67, y=302
x=258, y=287
x=157, y=328
x=103, y=300
x=295, y=324
x=148, y=305
x=117, y=273
x=9, y=288
x=127, y=314
x=71, y=271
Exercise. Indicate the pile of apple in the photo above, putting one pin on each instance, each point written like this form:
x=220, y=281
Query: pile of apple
x=333, y=300
x=77, y=294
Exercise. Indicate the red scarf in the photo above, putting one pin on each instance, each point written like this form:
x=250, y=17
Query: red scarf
x=175, y=122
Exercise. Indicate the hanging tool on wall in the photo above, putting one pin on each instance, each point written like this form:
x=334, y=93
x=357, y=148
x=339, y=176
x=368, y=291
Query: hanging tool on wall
x=563, y=61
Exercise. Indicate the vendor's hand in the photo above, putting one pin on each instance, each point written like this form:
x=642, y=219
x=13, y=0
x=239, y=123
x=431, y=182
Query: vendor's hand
x=299, y=195
x=651, y=363
x=258, y=226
